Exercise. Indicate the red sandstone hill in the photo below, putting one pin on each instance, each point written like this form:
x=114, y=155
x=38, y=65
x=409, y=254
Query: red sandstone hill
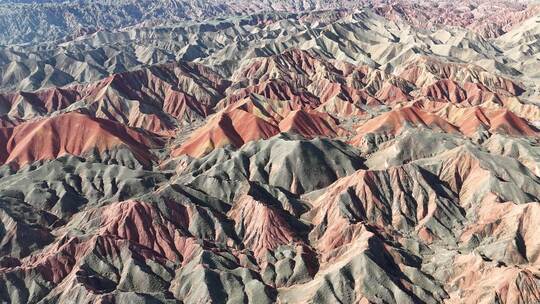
x=71, y=134
x=311, y=124
x=494, y=120
x=393, y=122
x=228, y=128
x=250, y=119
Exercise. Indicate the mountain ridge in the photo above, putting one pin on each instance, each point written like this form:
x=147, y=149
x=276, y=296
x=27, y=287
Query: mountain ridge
x=270, y=152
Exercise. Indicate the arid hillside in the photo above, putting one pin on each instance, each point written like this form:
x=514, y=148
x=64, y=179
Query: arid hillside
x=293, y=151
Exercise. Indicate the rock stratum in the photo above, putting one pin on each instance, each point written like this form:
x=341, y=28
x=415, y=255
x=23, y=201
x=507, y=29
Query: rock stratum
x=269, y=152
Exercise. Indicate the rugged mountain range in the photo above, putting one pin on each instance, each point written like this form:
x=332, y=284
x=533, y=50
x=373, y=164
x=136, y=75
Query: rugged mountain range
x=269, y=152
x=32, y=21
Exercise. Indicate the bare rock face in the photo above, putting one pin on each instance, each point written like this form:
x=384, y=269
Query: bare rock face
x=269, y=152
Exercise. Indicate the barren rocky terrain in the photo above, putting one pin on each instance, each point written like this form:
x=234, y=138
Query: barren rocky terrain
x=269, y=151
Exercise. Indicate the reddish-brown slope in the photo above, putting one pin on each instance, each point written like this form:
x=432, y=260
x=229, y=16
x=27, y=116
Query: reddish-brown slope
x=445, y=89
x=264, y=227
x=44, y=101
x=310, y=124
x=277, y=90
x=479, y=281
x=155, y=98
x=72, y=133
x=469, y=93
x=469, y=120
x=252, y=119
x=391, y=93
x=142, y=223
x=494, y=120
x=393, y=122
x=151, y=99
x=226, y=128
